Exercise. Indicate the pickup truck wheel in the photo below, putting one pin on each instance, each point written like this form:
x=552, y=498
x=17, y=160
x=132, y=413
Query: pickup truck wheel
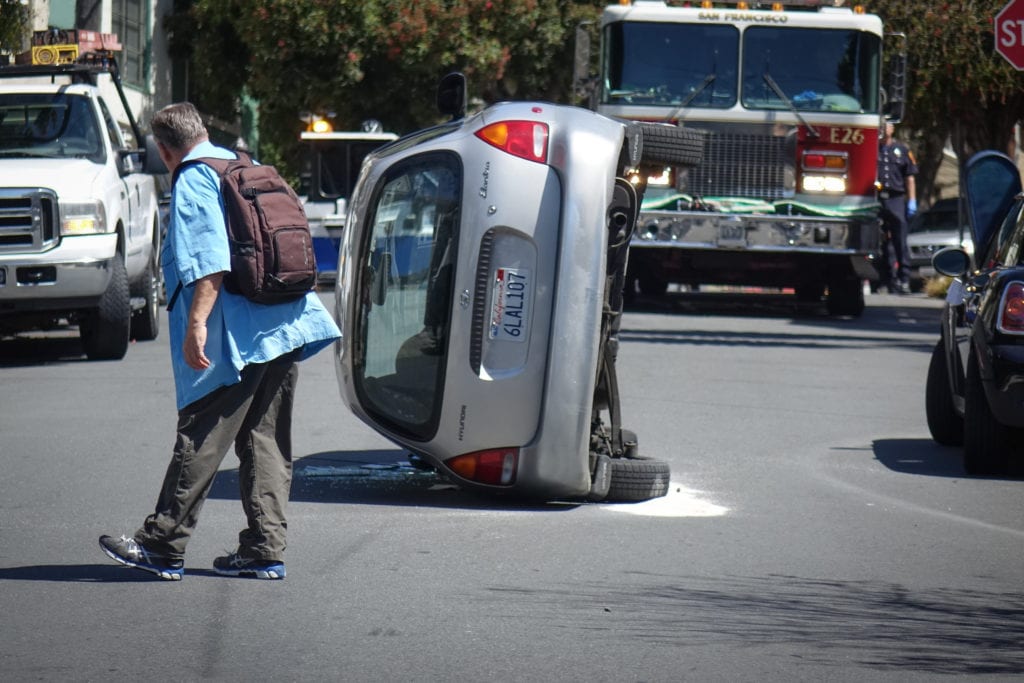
x=636, y=479
x=986, y=441
x=104, y=330
x=946, y=426
x=146, y=320
x=672, y=145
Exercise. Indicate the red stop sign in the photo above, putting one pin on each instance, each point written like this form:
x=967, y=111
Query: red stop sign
x=1010, y=33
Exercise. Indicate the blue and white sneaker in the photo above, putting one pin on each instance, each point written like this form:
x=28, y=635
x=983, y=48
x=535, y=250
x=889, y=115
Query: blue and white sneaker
x=237, y=565
x=130, y=552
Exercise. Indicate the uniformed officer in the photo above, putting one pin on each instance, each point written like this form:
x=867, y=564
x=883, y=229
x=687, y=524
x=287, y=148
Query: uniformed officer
x=898, y=197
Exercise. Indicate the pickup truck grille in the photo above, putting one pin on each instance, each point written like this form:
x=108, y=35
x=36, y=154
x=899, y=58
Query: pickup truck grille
x=740, y=165
x=28, y=220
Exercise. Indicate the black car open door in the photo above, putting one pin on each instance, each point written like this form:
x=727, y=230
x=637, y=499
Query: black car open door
x=991, y=182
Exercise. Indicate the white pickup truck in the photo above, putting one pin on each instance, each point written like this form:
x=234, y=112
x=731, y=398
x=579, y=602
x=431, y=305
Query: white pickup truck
x=79, y=217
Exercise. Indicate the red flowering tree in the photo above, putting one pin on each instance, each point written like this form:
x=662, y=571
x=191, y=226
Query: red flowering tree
x=378, y=59
x=960, y=88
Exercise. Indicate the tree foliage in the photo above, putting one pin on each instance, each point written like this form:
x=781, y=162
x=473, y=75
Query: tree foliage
x=363, y=59
x=960, y=88
x=14, y=18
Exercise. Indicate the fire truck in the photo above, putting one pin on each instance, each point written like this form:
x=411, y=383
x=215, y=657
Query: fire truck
x=790, y=98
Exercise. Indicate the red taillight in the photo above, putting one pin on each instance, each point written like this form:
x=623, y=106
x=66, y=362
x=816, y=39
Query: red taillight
x=825, y=162
x=496, y=466
x=524, y=139
x=1011, y=313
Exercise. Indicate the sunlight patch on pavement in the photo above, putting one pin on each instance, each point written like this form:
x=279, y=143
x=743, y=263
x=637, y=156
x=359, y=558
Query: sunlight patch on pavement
x=678, y=502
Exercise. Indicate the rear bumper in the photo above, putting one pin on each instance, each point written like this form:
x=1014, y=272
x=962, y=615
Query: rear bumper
x=1005, y=390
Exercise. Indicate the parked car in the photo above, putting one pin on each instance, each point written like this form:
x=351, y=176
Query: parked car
x=941, y=225
x=479, y=293
x=975, y=389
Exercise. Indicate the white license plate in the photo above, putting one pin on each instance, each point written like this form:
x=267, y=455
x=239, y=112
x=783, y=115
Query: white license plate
x=510, y=299
x=732, y=236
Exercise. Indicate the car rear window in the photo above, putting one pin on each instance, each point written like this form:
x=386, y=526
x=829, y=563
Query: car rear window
x=405, y=286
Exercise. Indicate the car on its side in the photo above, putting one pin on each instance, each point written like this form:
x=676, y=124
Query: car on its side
x=488, y=351
x=975, y=388
x=939, y=226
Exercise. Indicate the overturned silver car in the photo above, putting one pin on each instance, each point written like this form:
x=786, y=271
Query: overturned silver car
x=479, y=297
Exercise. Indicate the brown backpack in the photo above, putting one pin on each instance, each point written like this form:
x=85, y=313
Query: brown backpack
x=271, y=247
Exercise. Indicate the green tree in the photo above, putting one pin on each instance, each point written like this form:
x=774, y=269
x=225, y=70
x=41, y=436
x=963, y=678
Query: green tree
x=960, y=88
x=364, y=59
x=14, y=18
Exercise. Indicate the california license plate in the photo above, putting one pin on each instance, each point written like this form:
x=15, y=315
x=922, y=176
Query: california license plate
x=510, y=299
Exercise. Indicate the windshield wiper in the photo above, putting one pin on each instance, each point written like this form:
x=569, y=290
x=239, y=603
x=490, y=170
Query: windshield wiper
x=708, y=80
x=789, y=103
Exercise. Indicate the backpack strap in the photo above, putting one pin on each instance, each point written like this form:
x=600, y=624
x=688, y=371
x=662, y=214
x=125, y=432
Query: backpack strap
x=220, y=166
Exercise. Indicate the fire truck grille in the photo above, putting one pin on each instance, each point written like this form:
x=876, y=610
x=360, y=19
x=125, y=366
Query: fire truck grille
x=27, y=221
x=740, y=165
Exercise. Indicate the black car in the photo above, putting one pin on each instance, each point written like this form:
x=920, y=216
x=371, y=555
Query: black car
x=975, y=387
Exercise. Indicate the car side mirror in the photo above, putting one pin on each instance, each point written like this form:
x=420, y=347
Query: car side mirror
x=151, y=161
x=451, y=95
x=951, y=261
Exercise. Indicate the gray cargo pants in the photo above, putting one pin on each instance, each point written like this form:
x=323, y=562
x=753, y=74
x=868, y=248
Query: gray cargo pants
x=256, y=415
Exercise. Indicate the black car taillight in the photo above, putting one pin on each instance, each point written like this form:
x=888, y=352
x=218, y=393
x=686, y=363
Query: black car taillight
x=1011, y=309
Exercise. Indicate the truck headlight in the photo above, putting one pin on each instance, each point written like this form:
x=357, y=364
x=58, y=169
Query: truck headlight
x=824, y=183
x=82, y=218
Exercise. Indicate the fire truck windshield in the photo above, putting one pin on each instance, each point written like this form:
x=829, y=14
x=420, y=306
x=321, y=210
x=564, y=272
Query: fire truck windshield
x=657, y=63
x=816, y=69
x=696, y=65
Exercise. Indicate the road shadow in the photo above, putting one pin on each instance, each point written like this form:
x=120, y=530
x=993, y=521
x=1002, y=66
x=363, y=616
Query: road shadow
x=879, y=625
x=381, y=477
x=40, y=349
x=926, y=458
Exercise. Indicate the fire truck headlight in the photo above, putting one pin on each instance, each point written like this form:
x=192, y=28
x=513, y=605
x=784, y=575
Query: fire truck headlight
x=824, y=183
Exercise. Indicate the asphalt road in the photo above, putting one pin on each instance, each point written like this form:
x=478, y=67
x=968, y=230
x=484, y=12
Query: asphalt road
x=812, y=532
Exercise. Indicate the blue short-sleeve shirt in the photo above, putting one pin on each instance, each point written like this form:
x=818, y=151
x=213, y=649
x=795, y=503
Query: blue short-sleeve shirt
x=239, y=332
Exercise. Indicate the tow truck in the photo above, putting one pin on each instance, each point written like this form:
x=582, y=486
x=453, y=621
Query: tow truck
x=79, y=217
x=330, y=166
x=790, y=98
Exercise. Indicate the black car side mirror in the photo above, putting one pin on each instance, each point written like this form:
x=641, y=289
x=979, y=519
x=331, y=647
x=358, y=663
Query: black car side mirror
x=451, y=95
x=951, y=261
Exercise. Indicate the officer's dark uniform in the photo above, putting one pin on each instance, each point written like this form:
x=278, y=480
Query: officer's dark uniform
x=895, y=165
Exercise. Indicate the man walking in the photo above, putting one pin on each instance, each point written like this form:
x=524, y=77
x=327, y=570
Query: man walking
x=898, y=197
x=235, y=372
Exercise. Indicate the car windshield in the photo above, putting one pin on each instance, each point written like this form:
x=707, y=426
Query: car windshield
x=1011, y=237
x=783, y=67
x=50, y=126
x=405, y=289
x=941, y=217
x=823, y=69
x=331, y=167
x=660, y=63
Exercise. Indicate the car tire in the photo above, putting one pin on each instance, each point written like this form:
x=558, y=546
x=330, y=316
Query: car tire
x=986, y=441
x=845, y=298
x=104, y=331
x=672, y=145
x=145, y=324
x=637, y=479
x=944, y=423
